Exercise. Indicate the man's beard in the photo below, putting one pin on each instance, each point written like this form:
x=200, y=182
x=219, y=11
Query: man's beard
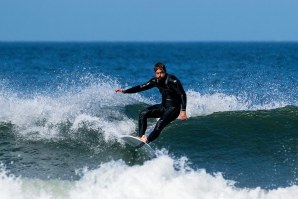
x=160, y=80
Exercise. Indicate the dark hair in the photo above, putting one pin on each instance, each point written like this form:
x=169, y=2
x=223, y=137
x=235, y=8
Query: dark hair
x=160, y=66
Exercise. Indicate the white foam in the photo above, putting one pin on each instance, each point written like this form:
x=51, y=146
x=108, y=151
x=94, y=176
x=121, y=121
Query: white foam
x=209, y=103
x=124, y=127
x=162, y=177
x=10, y=186
x=198, y=104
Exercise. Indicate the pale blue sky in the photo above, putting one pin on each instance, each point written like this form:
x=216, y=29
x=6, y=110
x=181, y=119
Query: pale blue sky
x=148, y=20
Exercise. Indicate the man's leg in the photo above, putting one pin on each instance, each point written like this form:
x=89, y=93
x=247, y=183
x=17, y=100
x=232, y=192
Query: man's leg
x=154, y=111
x=169, y=115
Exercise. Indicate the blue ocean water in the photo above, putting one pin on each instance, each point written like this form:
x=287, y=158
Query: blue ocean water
x=61, y=121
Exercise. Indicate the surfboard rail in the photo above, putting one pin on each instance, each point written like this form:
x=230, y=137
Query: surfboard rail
x=138, y=144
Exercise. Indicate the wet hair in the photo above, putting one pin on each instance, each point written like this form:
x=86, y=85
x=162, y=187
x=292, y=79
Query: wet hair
x=160, y=66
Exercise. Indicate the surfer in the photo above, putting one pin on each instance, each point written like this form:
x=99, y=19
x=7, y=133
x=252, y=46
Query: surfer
x=173, y=102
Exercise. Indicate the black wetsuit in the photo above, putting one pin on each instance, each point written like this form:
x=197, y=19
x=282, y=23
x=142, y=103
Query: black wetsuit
x=173, y=101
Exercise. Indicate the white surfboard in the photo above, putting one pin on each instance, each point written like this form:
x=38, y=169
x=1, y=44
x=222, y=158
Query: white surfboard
x=138, y=144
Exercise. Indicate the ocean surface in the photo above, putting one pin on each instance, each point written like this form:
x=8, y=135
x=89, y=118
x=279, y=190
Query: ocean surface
x=61, y=121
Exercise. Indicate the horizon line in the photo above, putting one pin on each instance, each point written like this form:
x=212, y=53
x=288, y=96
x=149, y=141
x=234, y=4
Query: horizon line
x=147, y=41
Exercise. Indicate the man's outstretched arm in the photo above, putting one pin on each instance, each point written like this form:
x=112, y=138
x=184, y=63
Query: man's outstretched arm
x=137, y=89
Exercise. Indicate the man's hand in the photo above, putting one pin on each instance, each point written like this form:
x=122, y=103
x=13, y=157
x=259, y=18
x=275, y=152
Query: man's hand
x=118, y=90
x=182, y=115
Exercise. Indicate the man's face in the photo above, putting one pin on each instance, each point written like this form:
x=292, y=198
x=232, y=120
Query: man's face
x=160, y=74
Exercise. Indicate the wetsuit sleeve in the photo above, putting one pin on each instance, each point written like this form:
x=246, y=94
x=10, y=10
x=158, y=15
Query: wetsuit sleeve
x=179, y=89
x=140, y=88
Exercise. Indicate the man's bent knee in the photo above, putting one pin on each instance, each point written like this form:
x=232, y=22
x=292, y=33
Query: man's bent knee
x=143, y=114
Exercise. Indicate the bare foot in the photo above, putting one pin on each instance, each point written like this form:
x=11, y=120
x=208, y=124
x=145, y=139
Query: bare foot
x=144, y=139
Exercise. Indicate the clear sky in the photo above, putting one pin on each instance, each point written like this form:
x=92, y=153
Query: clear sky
x=148, y=20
